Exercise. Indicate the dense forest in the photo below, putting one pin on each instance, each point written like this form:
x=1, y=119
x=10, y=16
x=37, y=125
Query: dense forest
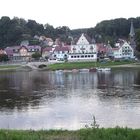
x=13, y=31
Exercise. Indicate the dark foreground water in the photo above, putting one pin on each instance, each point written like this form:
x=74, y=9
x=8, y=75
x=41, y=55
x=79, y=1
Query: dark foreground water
x=54, y=100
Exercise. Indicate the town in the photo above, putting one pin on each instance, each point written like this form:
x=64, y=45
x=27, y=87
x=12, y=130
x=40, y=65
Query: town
x=83, y=48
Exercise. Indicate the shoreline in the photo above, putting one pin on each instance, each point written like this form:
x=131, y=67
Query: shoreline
x=68, y=66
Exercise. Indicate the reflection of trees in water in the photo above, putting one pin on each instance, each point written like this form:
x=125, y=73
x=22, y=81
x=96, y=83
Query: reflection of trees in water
x=22, y=89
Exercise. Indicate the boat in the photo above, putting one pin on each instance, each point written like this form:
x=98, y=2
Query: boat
x=84, y=70
x=92, y=70
x=103, y=69
x=75, y=70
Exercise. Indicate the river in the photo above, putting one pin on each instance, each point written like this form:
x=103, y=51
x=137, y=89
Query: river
x=64, y=100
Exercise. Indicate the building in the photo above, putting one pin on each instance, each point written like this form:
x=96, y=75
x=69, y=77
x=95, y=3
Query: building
x=61, y=52
x=104, y=50
x=21, y=53
x=123, y=50
x=84, y=49
x=47, y=52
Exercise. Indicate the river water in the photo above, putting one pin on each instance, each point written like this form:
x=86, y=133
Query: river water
x=64, y=100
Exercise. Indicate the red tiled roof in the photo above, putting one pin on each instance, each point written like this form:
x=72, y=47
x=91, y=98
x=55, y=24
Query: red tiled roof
x=101, y=47
x=62, y=48
x=47, y=49
x=115, y=49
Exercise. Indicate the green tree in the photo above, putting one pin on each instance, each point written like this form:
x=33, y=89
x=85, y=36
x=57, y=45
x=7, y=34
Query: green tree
x=3, y=57
x=36, y=55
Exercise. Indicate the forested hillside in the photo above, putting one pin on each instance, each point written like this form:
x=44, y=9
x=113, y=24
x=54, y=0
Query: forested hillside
x=13, y=31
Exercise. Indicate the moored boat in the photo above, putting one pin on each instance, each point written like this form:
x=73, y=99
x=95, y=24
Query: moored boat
x=92, y=70
x=103, y=69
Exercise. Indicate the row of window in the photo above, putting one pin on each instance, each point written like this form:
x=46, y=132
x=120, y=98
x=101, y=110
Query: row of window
x=29, y=50
x=123, y=54
x=127, y=51
x=82, y=56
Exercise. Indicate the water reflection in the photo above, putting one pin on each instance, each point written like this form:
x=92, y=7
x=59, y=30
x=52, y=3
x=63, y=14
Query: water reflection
x=68, y=100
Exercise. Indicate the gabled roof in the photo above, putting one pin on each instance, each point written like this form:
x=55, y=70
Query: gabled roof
x=120, y=45
x=88, y=38
x=90, y=41
x=101, y=47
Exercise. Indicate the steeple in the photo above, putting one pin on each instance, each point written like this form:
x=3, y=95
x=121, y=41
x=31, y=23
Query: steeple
x=132, y=36
x=132, y=33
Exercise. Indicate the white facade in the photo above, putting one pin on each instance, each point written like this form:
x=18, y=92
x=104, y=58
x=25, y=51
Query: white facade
x=61, y=52
x=83, y=50
x=60, y=55
x=124, y=51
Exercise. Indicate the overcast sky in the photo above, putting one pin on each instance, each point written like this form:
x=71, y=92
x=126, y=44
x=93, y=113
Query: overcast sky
x=71, y=13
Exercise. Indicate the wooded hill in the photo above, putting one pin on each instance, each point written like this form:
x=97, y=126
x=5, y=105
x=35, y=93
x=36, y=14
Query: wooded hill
x=13, y=31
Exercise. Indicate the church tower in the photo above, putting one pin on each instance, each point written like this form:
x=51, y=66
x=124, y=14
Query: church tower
x=132, y=36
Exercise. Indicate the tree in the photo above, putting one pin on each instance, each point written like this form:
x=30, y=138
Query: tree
x=36, y=55
x=3, y=57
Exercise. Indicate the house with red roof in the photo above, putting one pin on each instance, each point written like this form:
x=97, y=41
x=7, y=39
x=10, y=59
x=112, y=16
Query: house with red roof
x=61, y=52
x=21, y=53
x=104, y=50
x=47, y=52
x=84, y=49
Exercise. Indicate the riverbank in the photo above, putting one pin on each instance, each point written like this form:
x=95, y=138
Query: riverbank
x=88, y=65
x=72, y=65
x=83, y=134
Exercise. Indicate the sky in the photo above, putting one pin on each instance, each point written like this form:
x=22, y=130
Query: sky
x=72, y=13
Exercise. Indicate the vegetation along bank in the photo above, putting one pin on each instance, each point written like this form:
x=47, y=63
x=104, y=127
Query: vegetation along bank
x=83, y=134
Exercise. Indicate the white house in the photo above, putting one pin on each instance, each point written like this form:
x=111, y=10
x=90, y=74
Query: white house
x=61, y=52
x=83, y=50
x=123, y=50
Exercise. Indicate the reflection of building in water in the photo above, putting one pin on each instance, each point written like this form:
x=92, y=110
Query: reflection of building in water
x=104, y=79
x=124, y=78
x=80, y=80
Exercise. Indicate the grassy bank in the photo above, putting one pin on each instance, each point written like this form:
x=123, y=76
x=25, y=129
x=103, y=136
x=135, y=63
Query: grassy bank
x=83, y=134
x=9, y=67
x=80, y=65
